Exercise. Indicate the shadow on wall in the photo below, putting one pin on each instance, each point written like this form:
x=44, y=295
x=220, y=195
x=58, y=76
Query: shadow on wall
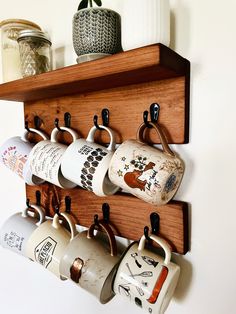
x=185, y=278
x=180, y=26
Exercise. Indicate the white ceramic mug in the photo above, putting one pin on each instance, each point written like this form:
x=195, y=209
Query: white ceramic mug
x=46, y=156
x=145, y=278
x=48, y=242
x=14, y=155
x=151, y=174
x=86, y=163
x=90, y=263
x=16, y=231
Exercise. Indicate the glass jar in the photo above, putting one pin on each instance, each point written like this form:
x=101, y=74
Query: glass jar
x=9, y=47
x=35, y=52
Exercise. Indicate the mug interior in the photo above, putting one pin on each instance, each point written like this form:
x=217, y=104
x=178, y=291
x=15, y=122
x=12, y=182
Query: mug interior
x=65, y=183
x=108, y=187
x=36, y=180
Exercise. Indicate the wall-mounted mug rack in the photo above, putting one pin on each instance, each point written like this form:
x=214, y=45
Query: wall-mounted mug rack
x=125, y=84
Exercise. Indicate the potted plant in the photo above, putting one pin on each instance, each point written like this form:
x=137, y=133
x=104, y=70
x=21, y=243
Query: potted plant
x=96, y=31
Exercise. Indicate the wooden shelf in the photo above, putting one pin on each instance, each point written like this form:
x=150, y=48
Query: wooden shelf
x=151, y=63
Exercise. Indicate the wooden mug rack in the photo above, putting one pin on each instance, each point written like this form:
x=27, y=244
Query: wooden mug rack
x=126, y=84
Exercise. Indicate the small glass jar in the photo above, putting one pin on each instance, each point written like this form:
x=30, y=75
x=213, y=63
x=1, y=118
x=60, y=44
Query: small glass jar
x=9, y=47
x=35, y=52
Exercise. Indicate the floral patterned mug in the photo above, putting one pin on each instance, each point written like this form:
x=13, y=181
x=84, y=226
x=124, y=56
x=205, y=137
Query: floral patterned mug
x=151, y=174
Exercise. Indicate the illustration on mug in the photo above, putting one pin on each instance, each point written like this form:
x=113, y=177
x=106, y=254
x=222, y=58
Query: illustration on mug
x=13, y=160
x=141, y=280
x=145, y=175
x=90, y=165
x=13, y=240
x=44, y=251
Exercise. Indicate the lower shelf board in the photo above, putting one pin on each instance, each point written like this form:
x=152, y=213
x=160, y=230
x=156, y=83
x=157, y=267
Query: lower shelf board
x=127, y=213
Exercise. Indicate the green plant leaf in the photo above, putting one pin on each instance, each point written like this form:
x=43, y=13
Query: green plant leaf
x=83, y=4
x=98, y=2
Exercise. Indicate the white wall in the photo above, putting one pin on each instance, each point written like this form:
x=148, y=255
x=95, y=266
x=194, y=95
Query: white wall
x=203, y=32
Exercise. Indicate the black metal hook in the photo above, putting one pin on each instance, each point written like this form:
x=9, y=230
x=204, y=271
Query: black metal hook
x=68, y=204
x=38, y=197
x=28, y=203
x=37, y=123
x=67, y=121
x=155, y=225
x=96, y=220
x=106, y=212
x=105, y=119
x=154, y=113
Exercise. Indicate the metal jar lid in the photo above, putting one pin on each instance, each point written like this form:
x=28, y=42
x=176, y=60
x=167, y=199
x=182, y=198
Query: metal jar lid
x=19, y=21
x=33, y=33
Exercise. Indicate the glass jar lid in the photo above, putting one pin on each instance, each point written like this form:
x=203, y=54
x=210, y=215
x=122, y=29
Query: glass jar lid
x=19, y=21
x=33, y=33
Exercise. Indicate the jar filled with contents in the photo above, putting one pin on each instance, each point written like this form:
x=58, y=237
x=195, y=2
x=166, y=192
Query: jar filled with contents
x=10, y=29
x=35, y=52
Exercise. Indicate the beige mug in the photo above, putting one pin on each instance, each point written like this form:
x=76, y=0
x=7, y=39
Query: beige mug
x=151, y=174
x=145, y=278
x=90, y=263
x=48, y=242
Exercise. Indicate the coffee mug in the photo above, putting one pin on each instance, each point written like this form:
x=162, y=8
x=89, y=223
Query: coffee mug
x=90, y=263
x=145, y=278
x=46, y=156
x=16, y=231
x=86, y=163
x=14, y=155
x=48, y=242
x=151, y=174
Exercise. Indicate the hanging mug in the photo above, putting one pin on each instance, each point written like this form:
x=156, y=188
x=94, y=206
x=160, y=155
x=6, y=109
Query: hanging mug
x=46, y=157
x=14, y=155
x=145, y=278
x=48, y=242
x=16, y=231
x=90, y=263
x=151, y=174
x=86, y=163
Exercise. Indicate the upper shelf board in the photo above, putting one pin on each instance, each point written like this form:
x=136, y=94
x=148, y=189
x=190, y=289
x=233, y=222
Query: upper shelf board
x=150, y=63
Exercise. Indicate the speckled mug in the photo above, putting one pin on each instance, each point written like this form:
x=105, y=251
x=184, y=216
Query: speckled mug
x=151, y=174
x=88, y=262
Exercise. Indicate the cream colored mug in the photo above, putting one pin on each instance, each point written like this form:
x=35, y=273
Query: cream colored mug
x=48, y=242
x=46, y=156
x=145, y=278
x=151, y=174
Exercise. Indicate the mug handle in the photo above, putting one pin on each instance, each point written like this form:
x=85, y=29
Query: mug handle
x=159, y=131
x=39, y=210
x=107, y=229
x=164, y=245
x=57, y=225
x=55, y=132
x=90, y=137
x=24, y=136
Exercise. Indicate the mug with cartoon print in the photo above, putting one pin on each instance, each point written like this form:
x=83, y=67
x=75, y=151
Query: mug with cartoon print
x=150, y=174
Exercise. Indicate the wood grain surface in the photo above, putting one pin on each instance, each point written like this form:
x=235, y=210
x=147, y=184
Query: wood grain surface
x=127, y=213
x=126, y=106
